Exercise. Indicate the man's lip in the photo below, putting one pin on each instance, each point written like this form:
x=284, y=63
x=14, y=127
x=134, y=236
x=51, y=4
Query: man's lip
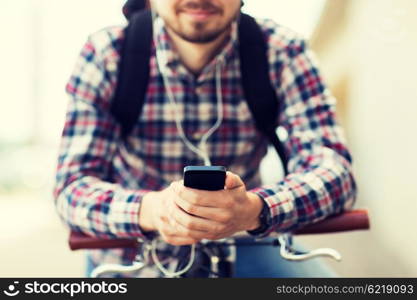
x=199, y=13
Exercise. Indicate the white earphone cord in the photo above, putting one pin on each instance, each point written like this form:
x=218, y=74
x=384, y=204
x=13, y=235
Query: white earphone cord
x=197, y=150
x=200, y=152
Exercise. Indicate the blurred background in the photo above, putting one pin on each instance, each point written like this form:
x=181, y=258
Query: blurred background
x=366, y=49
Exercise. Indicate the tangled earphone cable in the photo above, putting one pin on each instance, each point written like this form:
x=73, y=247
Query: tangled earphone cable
x=201, y=151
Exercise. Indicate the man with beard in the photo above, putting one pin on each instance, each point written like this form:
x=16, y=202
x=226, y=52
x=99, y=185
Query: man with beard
x=195, y=113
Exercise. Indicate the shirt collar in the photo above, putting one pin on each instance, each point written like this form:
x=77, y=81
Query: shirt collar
x=170, y=58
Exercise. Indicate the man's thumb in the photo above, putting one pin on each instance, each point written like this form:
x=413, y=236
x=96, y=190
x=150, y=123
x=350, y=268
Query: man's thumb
x=232, y=181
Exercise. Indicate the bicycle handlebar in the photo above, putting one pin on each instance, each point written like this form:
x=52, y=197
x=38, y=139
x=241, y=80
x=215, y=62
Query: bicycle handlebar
x=348, y=221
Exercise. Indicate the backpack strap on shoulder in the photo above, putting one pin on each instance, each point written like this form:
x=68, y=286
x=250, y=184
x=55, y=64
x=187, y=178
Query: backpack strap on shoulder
x=132, y=6
x=132, y=82
x=260, y=95
x=133, y=71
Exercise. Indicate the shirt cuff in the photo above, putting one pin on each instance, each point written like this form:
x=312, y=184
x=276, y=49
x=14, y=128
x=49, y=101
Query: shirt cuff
x=123, y=215
x=282, y=216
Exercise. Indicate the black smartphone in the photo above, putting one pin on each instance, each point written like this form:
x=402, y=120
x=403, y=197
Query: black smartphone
x=209, y=178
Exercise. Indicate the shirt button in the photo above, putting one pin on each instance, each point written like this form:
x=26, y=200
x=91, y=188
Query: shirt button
x=282, y=133
x=199, y=90
x=111, y=66
x=197, y=135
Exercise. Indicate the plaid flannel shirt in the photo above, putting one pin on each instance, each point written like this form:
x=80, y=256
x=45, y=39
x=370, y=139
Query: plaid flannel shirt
x=101, y=178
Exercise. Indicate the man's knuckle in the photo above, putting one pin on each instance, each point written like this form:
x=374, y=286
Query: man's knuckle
x=213, y=236
x=192, y=225
x=192, y=209
x=221, y=228
x=214, y=228
x=188, y=222
x=195, y=199
x=180, y=193
x=225, y=217
x=194, y=235
x=186, y=231
x=228, y=203
x=209, y=236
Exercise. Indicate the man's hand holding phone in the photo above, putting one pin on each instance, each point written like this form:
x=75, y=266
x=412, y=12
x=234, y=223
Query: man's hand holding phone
x=156, y=214
x=216, y=214
x=185, y=216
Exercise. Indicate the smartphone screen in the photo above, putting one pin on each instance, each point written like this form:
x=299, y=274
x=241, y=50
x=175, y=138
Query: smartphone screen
x=209, y=178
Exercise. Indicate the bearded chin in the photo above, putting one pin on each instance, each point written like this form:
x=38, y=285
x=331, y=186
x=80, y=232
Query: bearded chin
x=199, y=34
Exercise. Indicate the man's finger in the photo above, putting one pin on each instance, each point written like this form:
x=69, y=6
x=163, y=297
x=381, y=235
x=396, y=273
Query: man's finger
x=172, y=230
x=179, y=240
x=209, y=213
x=200, y=197
x=193, y=223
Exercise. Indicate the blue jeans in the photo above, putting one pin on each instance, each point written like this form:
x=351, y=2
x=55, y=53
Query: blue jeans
x=264, y=261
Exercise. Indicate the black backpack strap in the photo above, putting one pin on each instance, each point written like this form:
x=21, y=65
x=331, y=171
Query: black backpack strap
x=132, y=82
x=133, y=71
x=132, y=6
x=260, y=95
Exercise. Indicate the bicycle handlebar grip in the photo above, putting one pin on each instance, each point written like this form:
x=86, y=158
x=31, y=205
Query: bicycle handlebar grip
x=81, y=241
x=351, y=220
x=348, y=221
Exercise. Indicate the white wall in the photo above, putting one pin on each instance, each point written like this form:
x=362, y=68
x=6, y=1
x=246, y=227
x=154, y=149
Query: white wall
x=42, y=40
x=299, y=15
x=383, y=119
